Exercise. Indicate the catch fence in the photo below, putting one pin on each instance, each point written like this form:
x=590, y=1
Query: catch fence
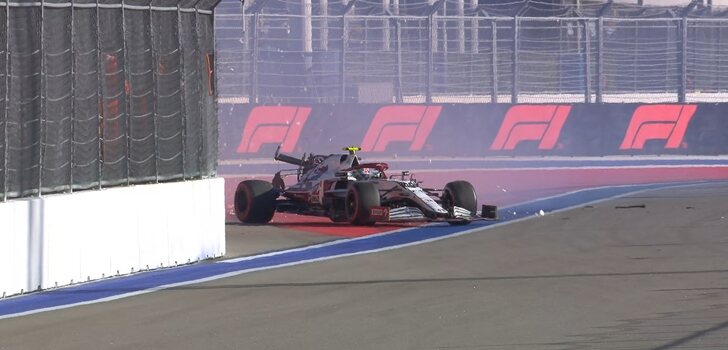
x=105, y=93
x=270, y=56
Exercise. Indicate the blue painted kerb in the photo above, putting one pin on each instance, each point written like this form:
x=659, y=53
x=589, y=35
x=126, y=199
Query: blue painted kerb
x=159, y=279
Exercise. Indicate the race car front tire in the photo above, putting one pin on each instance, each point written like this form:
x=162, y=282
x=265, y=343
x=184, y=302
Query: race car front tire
x=460, y=194
x=360, y=199
x=255, y=201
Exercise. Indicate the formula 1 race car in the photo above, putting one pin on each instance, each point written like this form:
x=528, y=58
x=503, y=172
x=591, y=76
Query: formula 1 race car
x=340, y=187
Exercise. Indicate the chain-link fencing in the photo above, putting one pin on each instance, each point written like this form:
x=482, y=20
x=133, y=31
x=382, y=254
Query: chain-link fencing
x=104, y=93
x=279, y=51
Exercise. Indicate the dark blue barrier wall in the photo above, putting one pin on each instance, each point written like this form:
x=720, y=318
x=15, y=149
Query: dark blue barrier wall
x=466, y=130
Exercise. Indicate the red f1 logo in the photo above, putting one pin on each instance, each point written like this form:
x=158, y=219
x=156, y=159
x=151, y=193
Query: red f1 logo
x=658, y=122
x=531, y=123
x=273, y=124
x=400, y=123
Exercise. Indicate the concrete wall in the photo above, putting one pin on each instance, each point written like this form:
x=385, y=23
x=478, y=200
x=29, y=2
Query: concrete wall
x=70, y=238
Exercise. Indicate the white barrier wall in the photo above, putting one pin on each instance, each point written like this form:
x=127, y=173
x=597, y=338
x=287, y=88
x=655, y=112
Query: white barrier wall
x=69, y=238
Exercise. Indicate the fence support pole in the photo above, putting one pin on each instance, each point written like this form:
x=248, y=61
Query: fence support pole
x=398, y=30
x=307, y=35
x=600, y=59
x=73, y=97
x=386, y=35
x=587, y=62
x=201, y=156
x=514, y=78
x=127, y=96
x=344, y=43
x=183, y=89
x=474, y=23
x=43, y=96
x=155, y=92
x=254, y=67
x=324, y=5
x=430, y=56
x=342, y=59
x=682, y=91
x=7, y=100
x=494, y=62
x=100, y=95
x=461, y=25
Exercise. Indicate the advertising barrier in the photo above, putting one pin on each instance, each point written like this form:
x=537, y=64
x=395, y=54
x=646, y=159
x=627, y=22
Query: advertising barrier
x=474, y=130
x=64, y=239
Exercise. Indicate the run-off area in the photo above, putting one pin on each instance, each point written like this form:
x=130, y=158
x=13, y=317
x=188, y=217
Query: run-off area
x=646, y=271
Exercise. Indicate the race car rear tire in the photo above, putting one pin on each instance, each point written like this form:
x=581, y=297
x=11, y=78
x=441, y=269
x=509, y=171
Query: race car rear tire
x=360, y=199
x=255, y=201
x=461, y=194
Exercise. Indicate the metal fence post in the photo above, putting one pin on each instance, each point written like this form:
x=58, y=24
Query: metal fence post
x=201, y=91
x=183, y=89
x=600, y=59
x=474, y=27
x=342, y=60
x=682, y=86
x=155, y=92
x=254, y=67
x=587, y=62
x=127, y=97
x=461, y=25
x=398, y=33
x=516, y=39
x=324, y=31
x=73, y=96
x=386, y=35
x=494, y=61
x=7, y=100
x=430, y=56
x=344, y=42
x=100, y=95
x=43, y=96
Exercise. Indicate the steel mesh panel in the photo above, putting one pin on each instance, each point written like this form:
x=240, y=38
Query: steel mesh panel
x=141, y=96
x=707, y=60
x=85, y=156
x=105, y=93
x=413, y=44
x=114, y=88
x=208, y=107
x=58, y=99
x=192, y=89
x=461, y=52
x=233, y=50
x=24, y=102
x=3, y=100
x=641, y=57
x=169, y=117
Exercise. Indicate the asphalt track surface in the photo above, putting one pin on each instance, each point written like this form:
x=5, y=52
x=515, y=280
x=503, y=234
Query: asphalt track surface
x=647, y=271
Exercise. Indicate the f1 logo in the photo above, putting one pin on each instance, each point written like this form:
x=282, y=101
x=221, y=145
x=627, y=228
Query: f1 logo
x=400, y=123
x=658, y=122
x=273, y=124
x=531, y=123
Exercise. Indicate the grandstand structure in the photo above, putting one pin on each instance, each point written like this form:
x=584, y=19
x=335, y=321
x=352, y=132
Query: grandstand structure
x=464, y=51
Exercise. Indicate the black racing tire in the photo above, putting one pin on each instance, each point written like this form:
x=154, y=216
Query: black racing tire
x=360, y=198
x=255, y=201
x=461, y=194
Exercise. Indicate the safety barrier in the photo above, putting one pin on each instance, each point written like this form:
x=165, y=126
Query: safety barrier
x=474, y=130
x=65, y=239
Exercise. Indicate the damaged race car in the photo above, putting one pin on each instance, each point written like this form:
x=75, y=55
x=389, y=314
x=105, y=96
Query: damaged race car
x=342, y=188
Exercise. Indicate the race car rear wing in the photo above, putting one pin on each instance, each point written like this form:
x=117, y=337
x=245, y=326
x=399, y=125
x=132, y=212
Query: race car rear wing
x=286, y=158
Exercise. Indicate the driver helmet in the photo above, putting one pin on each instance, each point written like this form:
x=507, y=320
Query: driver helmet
x=359, y=174
x=365, y=173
